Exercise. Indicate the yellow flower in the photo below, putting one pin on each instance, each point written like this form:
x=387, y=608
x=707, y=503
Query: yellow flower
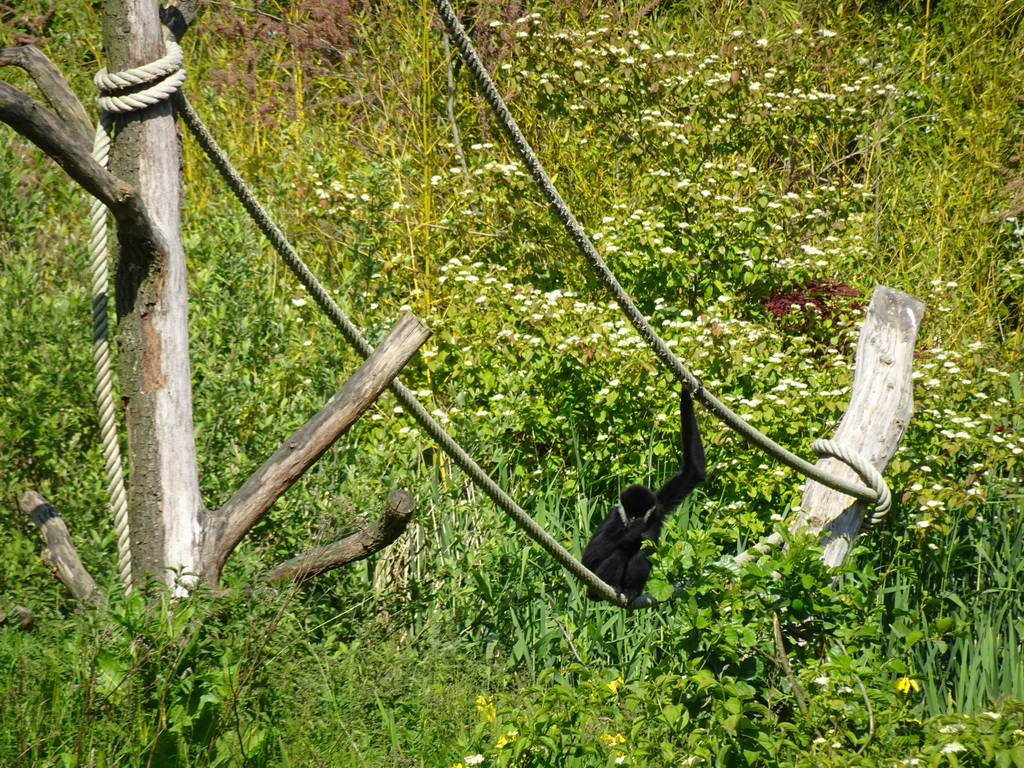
x=611, y=741
x=485, y=707
x=615, y=684
x=907, y=684
x=508, y=738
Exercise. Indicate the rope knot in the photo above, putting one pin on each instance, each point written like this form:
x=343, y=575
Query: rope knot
x=163, y=78
x=864, y=469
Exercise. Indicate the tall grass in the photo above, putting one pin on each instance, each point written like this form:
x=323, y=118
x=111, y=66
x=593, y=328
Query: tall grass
x=969, y=606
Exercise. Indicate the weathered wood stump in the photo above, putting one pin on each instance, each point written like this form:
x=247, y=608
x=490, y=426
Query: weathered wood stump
x=881, y=403
x=60, y=553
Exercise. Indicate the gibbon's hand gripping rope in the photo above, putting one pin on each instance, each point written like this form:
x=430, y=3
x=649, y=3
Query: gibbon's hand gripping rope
x=163, y=78
x=877, y=494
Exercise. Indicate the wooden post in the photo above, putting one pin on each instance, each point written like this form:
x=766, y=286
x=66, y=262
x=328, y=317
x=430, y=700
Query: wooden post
x=165, y=508
x=881, y=403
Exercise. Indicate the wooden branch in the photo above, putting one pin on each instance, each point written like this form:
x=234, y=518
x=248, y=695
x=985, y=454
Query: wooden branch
x=307, y=444
x=54, y=87
x=391, y=524
x=60, y=552
x=48, y=132
x=881, y=403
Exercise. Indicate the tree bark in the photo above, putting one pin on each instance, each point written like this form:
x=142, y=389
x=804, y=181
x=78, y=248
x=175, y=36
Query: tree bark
x=391, y=524
x=60, y=553
x=165, y=510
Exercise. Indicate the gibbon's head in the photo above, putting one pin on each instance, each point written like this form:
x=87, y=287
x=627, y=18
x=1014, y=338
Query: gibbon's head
x=637, y=501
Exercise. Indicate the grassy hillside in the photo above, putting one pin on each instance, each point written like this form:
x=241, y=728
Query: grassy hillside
x=750, y=172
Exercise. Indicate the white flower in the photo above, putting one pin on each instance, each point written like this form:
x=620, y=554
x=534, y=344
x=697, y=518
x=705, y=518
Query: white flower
x=299, y=302
x=953, y=746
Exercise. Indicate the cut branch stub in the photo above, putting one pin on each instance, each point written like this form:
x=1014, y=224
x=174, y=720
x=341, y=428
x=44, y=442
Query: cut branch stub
x=307, y=444
x=60, y=553
x=881, y=403
x=391, y=524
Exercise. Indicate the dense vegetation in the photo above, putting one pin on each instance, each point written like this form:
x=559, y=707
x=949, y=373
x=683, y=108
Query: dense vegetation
x=750, y=172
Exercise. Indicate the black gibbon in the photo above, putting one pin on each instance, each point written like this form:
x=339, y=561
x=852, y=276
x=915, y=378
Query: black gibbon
x=616, y=553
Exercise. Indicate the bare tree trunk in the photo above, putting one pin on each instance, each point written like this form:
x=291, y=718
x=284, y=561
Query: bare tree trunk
x=166, y=512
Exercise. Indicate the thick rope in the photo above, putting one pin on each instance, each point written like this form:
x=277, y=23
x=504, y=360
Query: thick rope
x=164, y=78
x=587, y=250
x=867, y=472
x=352, y=334
x=116, y=496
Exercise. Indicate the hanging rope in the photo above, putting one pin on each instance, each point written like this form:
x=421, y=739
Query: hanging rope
x=605, y=276
x=163, y=77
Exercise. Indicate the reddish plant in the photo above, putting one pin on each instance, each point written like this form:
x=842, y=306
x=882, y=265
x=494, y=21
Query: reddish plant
x=812, y=309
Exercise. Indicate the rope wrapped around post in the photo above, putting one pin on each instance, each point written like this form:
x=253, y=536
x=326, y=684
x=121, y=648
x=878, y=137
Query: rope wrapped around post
x=867, y=472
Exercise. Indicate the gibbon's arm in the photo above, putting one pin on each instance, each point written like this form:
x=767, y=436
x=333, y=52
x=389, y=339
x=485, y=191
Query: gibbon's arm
x=694, y=469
